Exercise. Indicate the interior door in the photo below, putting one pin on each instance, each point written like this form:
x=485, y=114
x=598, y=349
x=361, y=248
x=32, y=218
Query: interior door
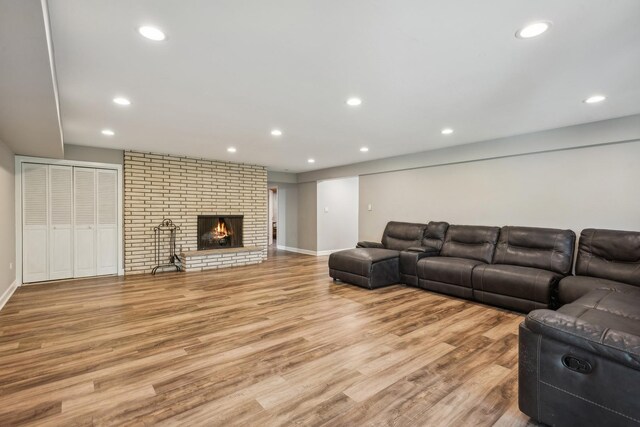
x=61, y=222
x=84, y=194
x=35, y=223
x=107, y=223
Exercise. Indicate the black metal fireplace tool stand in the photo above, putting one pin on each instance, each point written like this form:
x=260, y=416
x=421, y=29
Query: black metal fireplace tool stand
x=165, y=246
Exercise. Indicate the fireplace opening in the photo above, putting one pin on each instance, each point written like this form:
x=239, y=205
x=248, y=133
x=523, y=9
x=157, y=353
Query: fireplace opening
x=219, y=231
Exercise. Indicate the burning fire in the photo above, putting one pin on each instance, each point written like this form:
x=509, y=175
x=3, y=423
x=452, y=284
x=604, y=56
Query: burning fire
x=220, y=231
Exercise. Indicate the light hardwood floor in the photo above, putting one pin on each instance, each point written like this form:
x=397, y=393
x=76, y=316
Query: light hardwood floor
x=273, y=344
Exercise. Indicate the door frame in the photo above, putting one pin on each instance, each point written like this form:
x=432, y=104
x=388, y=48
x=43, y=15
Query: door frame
x=269, y=224
x=19, y=160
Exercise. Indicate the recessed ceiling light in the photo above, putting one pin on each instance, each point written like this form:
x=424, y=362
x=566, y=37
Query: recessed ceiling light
x=533, y=30
x=276, y=132
x=152, y=33
x=594, y=99
x=311, y=161
x=121, y=101
x=354, y=102
x=364, y=149
x=232, y=149
x=108, y=132
x=446, y=131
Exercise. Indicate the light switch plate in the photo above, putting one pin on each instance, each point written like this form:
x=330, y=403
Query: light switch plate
x=369, y=207
x=326, y=209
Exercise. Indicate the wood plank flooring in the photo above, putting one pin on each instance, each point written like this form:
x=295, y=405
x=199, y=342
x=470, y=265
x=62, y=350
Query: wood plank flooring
x=274, y=344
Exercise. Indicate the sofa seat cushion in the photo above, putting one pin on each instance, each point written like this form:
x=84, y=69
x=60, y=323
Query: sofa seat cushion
x=605, y=318
x=572, y=288
x=527, y=283
x=455, y=271
x=609, y=308
x=359, y=260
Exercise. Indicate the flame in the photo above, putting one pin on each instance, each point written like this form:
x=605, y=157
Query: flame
x=220, y=231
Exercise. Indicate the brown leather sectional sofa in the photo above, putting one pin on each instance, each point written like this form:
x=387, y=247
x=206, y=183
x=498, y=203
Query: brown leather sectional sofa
x=513, y=267
x=579, y=365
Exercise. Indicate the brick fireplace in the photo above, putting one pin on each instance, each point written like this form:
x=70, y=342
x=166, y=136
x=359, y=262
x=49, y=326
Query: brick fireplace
x=219, y=231
x=158, y=186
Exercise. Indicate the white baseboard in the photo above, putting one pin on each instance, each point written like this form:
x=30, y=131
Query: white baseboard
x=7, y=293
x=308, y=252
x=330, y=251
x=296, y=250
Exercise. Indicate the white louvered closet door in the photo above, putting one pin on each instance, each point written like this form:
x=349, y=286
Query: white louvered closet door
x=35, y=222
x=84, y=213
x=107, y=223
x=60, y=222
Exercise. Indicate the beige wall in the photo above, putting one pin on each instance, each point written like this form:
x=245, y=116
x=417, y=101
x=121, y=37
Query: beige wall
x=594, y=133
x=578, y=188
x=281, y=177
x=307, y=216
x=337, y=214
x=93, y=154
x=572, y=177
x=287, y=215
x=7, y=213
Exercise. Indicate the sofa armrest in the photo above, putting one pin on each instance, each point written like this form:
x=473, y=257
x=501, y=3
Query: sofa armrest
x=409, y=259
x=620, y=346
x=424, y=250
x=365, y=244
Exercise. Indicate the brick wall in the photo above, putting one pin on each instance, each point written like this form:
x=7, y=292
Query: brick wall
x=160, y=186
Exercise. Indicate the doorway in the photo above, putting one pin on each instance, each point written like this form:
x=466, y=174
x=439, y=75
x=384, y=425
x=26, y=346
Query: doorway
x=272, y=223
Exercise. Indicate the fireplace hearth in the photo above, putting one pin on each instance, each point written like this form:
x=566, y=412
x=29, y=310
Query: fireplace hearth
x=219, y=231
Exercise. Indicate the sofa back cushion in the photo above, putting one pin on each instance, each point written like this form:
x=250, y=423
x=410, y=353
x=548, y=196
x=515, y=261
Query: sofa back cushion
x=434, y=235
x=471, y=242
x=609, y=254
x=546, y=248
x=402, y=235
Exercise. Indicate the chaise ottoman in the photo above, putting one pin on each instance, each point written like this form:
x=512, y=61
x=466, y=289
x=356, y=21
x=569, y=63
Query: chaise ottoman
x=369, y=268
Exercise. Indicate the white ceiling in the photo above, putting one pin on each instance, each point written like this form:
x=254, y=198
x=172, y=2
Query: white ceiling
x=29, y=122
x=232, y=70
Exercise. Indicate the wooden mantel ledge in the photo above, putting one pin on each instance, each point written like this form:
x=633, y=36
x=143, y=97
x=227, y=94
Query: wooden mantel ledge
x=187, y=254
